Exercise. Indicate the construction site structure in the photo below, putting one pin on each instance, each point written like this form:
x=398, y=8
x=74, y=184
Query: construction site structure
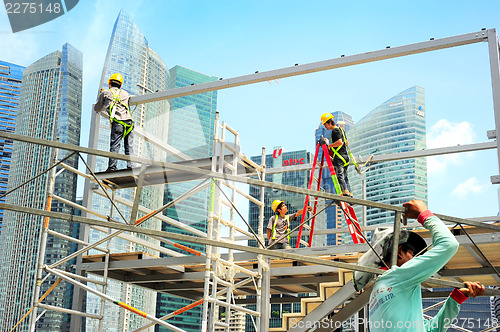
x=227, y=281
x=347, y=209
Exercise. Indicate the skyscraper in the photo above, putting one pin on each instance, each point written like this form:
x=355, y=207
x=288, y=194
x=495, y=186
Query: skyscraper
x=143, y=71
x=50, y=108
x=476, y=310
x=397, y=125
x=191, y=129
x=293, y=201
x=10, y=88
x=334, y=215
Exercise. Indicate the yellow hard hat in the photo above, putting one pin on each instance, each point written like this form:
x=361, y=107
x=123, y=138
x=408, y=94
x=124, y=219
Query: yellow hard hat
x=325, y=117
x=275, y=204
x=116, y=77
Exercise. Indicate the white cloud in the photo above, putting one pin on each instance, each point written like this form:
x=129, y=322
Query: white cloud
x=468, y=187
x=443, y=134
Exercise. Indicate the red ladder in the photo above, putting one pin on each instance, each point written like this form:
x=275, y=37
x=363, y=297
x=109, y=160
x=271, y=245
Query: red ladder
x=350, y=215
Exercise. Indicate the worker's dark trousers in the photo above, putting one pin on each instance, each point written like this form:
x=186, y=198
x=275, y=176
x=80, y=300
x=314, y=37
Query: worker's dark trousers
x=341, y=171
x=114, y=143
x=281, y=245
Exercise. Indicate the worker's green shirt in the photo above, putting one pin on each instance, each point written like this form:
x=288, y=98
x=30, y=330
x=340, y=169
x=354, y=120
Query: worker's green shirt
x=396, y=300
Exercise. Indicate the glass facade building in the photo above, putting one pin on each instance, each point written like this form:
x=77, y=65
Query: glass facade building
x=334, y=215
x=50, y=108
x=191, y=129
x=397, y=125
x=475, y=313
x=10, y=88
x=293, y=201
x=143, y=71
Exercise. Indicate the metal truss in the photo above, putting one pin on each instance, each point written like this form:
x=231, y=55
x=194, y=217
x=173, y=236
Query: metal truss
x=221, y=269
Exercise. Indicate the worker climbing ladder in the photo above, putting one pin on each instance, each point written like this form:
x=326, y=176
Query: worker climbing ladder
x=350, y=215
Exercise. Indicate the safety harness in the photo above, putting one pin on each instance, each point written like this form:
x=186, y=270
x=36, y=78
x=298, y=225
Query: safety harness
x=287, y=228
x=336, y=151
x=112, y=110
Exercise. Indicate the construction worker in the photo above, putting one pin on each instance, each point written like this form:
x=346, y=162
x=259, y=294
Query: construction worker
x=340, y=157
x=279, y=225
x=116, y=102
x=396, y=300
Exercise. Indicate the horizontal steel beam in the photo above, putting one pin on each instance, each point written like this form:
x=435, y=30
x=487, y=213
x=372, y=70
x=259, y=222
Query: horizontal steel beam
x=430, y=152
x=193, y=239
x=274, y=300
x=187, y=238
x=468, y=272
x=209, y=174
x=343, y=61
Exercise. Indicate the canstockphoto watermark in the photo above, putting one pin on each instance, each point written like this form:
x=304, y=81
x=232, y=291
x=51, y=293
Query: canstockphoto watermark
x=383, y=324
x=25, y=14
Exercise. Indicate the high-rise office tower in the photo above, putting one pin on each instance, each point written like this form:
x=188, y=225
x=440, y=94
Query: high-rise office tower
x=397, y=125
x=334, y=215
x=294, y=202
x=476, y=310
x=50, y=108
x=143, y=71
x=191, y=128
x=10, y=88
x=495, y=309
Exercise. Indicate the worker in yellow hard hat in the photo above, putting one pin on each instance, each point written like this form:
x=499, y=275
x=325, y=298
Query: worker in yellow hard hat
x=338, y=152
x=279, y=225
x=115, y=101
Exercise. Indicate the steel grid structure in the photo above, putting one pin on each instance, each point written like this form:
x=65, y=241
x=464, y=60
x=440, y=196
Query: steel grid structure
x=223, y=173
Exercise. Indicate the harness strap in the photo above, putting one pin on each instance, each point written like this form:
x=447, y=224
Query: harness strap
x=336, y=150
x=112, y=110
x=287, y=227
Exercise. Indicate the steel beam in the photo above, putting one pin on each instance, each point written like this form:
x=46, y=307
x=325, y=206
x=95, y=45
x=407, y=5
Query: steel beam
x=325, y=308
x=481, y=259
x=217, y=175
x=265, y=295
x=493, y=48
x=344, y=61
x=430, y=152
x=349, y=310
x=187, y=238
x=478, y=271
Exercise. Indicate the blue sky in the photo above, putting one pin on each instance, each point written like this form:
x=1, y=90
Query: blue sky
x=233, y=38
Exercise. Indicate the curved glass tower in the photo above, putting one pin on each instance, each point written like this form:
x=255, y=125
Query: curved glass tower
x=143, y=71
x=397, y=125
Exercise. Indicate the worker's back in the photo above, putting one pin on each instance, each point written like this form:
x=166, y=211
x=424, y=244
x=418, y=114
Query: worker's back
x=396, y=300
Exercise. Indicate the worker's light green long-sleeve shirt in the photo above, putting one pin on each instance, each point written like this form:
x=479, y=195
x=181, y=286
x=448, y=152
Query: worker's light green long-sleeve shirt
x=396, y=300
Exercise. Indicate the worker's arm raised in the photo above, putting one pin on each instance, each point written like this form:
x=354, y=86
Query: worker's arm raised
x=451, y=307
x=101, y=101
x=420, y=268
x=301, y=211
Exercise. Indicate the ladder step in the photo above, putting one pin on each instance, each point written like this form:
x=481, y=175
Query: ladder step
x=306, y=226
x=304, y=243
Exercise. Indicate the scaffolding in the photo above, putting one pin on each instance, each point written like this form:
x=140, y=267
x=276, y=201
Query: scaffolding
x=226, y=279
